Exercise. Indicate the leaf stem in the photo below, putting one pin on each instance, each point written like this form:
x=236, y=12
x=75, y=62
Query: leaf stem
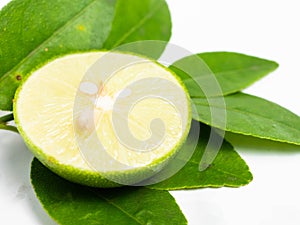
x=6, y=118
x=8, y=128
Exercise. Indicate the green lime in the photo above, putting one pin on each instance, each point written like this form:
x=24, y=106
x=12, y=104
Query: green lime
x=65, y=133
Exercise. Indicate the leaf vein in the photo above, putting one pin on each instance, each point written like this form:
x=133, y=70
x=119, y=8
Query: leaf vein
x=221, y=171
x=137, y=26
x=54, y=34
x=116, y=206
x=250, y=113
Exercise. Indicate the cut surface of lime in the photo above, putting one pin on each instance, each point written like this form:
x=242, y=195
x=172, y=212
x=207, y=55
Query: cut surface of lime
x=103, y=119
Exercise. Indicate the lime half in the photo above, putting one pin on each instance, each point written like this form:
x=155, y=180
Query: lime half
x=103, y=119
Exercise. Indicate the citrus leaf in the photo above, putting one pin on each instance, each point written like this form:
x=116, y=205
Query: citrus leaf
x=32, y=32
x=227, y=169
x=144, y=20
x=231, y=71
x=69, y=203
x=43, y=30
x=254, y=116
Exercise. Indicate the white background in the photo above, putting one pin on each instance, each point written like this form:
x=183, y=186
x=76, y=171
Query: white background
x=268, y=29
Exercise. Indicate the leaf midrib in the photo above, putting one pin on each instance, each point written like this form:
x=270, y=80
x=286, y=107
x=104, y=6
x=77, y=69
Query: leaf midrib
x=56, y=32
x=225, y=72
x=137, y=26
x=221, y=171
x=218, y=170
x=116, y=206
x=250, y=113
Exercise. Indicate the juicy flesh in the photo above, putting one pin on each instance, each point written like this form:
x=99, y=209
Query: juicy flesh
x=45, y=110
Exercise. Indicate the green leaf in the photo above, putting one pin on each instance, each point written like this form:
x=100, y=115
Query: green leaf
x=250, y=115
x=229, y=71
x=227, y=169
x=137, y=20
x=34, y=32
x=69, y=203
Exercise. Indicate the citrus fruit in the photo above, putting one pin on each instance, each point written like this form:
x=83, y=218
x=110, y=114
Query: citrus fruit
x=103, y=119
